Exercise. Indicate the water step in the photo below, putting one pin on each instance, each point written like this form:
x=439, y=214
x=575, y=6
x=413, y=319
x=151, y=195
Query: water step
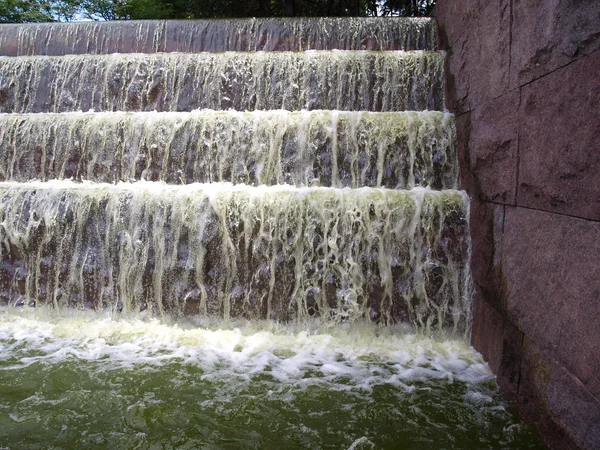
x=218, y=36
x=327, y=148
x=275, y=252
x=343, y=80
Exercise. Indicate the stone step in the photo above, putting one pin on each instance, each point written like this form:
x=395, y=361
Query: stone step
x=312, y=148
x=277, y=252
x=218, y=36
x=343, y=80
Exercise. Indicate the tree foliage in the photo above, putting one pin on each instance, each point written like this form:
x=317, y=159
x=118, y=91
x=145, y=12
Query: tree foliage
x=25, y=11
x=67, y=10
x=407, y=8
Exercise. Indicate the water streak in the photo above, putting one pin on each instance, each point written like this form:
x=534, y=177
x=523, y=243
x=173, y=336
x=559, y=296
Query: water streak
x=278, y=252
x=343, y=80
x=327, y=148
x=218, y=36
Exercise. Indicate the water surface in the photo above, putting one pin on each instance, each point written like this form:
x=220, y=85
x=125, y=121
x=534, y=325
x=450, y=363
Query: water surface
x=85, y=380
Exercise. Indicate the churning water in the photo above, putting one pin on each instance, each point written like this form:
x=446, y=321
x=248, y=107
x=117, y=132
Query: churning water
x=86, y=380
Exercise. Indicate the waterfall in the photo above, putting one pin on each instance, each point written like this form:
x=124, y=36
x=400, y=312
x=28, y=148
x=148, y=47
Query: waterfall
x=276, y=252
x=316, y=148
x=345, y=80
x=282, y=185
x=240, y=35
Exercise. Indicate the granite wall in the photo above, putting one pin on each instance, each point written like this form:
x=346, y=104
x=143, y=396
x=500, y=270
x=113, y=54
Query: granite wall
x=523, y=78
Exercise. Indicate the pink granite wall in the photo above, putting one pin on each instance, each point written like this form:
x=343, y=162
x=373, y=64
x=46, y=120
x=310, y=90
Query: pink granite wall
x=524, y=82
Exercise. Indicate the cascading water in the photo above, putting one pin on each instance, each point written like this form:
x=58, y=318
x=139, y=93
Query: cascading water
x=280, y=253
x=239, y=35
x=316, y=148
x=354, y=81
x=235, y=276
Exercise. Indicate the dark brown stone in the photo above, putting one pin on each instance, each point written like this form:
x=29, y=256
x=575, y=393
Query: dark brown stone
x=499, y=342
x=463, y=133
x=547, y=35
x=493, y=148
x=458, y=85
x=579, y=346
x=553, y=282
x=499, y=218
x=455, y=18
x=479, y=54
x=535, y=273
x=486, y=220
x=482, y=243
x=489, y=61
x=566, y=413
x=559, y=138
x=493, y=335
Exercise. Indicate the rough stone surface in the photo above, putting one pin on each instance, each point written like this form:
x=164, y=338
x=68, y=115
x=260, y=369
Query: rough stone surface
x=489, y=60
x=456, y=18
x=499, y=219
x=547, y=35
x=463, y=137
x=551, y=270
x=566, y=413
x=482, y=243
x=486, y=224
x=493, y=148
x=560, y=140
x=477, y=36
x=523, y=77
x=500, y=343
x=457, y=84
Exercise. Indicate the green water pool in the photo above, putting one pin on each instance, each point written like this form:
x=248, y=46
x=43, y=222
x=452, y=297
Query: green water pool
x=85, y=380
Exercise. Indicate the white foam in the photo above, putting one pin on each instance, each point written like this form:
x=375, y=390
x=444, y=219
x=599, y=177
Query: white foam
x=359, y=357
x=234, y=113
x=215, y=188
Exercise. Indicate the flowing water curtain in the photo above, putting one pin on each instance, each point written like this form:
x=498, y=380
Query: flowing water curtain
x=356, y=81
x=281, y=253
x=327, y=148
x=324, y=240
x=241, y=35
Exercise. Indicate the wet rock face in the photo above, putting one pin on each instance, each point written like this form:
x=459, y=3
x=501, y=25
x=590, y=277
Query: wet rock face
x=559, y=166
x=527, y=133
x=356, y=81
x=549, y=299
x=493, y=145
